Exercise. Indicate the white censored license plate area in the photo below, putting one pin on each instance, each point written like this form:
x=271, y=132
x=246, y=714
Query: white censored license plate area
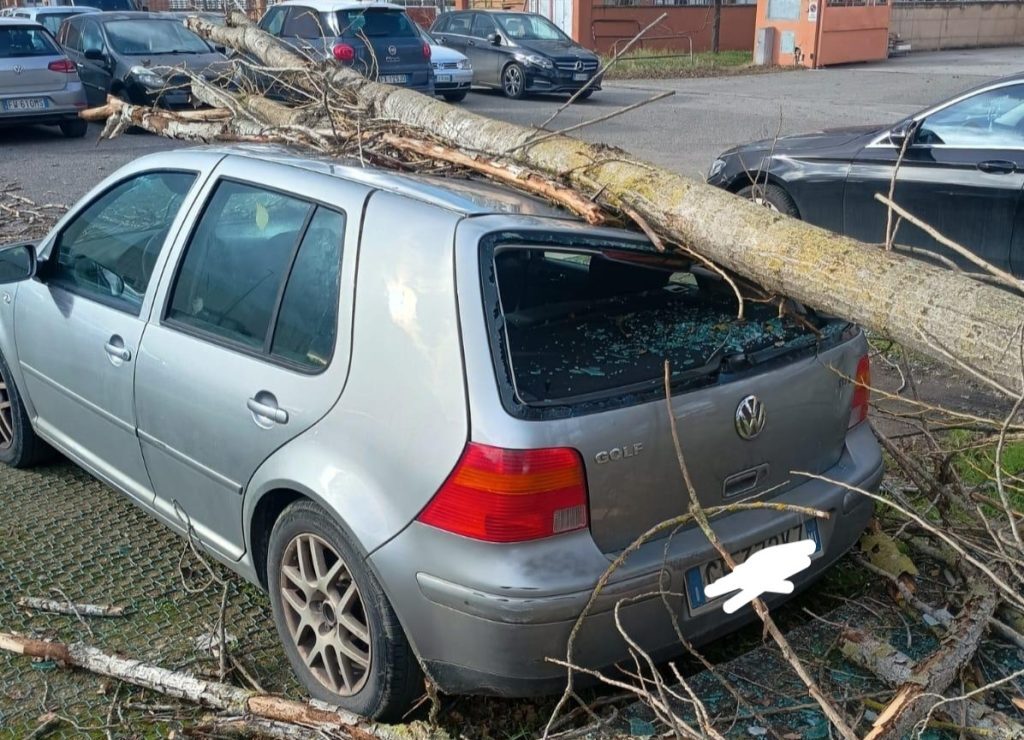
x=700, y=576
x=15, y=104
x=581, y=76
x=443, y=78
x=393, y=79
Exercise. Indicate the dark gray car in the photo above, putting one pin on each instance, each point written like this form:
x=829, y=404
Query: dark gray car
x=130, y=55
x=379, y=40
x=518, y=53
x=425, y=413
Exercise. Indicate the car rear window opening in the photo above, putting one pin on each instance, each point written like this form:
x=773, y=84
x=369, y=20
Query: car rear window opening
x=590, y=324
x=25, y=41
x=376, y=24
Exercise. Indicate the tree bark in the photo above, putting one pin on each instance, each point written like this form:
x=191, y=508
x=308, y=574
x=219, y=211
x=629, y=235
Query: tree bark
x=211, y=694
x=897, y=668
x=716, y=26
x=920, y=684
x=928, y=309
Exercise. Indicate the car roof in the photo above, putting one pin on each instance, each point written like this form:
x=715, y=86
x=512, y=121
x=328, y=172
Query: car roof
x=134, y=15
x=329, y=6
x=57, y=9
x=492, y=11
x=462, y=195
x=9, y=20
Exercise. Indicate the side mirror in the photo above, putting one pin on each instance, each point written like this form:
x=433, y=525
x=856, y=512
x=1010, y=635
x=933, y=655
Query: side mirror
x=903, y=131
x=495, y=38
x=95, y=54
x=17, y=263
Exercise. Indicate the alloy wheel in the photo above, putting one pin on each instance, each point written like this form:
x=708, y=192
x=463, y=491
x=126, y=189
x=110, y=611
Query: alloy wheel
x=513, y=81
x=6, y=415
x=325, y=615
x=767, y=204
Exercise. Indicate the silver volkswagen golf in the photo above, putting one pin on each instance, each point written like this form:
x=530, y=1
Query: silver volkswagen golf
x=424, y=414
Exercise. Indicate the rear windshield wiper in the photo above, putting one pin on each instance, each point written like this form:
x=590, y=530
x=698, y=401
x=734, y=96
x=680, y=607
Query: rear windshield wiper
x=766, y=354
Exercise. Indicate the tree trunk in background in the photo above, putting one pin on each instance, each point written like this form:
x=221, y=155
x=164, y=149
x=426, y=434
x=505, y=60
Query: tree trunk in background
x=930, y=310
x=716, y=26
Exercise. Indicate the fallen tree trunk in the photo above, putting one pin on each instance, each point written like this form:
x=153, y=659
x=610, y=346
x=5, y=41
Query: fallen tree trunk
x=211, y=694
x=897, y=668
x=921, y=685
x=937, y=312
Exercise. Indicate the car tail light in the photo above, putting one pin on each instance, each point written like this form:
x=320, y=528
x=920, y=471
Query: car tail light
x=861, y=392
x=62, y=65
x=499, y=495
x=343, y=52
x=426, y=51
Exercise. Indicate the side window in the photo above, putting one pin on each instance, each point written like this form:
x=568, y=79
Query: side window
x=236, y=261
x=993, y=119
x=108, y=251
x=71, y=36
x=91, y=36
x=460, y=24
x=441, y=25
x=273, y=20
x=483, y=26
x=303, y=23
x=308, y=319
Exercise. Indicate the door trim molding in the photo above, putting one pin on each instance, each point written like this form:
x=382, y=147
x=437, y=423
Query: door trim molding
x=99, y=410
x=181, y=457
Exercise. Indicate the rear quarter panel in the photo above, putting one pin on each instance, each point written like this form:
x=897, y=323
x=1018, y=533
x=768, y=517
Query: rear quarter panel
x=401, y=422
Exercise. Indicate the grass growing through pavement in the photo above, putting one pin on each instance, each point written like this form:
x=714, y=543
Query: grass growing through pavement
x=650, y=64
x=976, y=464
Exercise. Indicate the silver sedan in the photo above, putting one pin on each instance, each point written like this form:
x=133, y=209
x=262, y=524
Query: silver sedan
x=38, y=83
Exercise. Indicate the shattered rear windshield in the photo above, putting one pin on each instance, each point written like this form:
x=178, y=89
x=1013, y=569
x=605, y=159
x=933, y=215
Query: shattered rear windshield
x=582, y=325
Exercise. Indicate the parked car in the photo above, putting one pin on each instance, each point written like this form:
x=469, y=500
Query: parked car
x=453, y=72
x=198, y=335
x=518, y=53
x=130, y=55
x=50, y=16
x=38, y=83
x=962, y=173
x=379, y=40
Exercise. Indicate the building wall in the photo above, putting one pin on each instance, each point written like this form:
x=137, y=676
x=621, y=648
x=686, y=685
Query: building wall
x=598, y=26
x=929, y=24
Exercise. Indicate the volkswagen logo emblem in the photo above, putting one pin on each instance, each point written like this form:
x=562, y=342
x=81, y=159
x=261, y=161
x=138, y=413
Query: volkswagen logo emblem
x=579, y=64
x=18, y=69
x=750, y=417
x=392, y=50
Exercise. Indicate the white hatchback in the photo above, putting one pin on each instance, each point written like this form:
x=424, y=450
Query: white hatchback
x=453, y=72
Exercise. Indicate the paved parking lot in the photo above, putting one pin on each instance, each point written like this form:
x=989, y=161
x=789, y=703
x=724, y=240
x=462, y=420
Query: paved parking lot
x=683, y=132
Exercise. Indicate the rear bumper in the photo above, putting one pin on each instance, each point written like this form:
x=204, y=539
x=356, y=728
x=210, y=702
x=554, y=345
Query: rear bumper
x=62, y=105
x=484, y=618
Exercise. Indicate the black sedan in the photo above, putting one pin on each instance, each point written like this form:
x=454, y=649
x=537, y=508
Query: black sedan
x=132, y=55
x=517, y=52
x=962, y=173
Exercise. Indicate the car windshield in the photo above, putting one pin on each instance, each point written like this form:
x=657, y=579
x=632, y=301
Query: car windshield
x=376, y=24
x=52, y=21
x=154, y=37
x=25, y=42
x=526, y=27
x=586, y=324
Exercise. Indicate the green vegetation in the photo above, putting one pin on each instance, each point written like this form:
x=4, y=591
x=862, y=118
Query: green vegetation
x=976, y=465
x=653, y=63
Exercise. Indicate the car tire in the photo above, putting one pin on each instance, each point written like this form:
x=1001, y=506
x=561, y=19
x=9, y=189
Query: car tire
x=20, y=446
x=74, y=129
x=513, y=81
x=585, y=94
x=455, y=97
x=772, y=197
x=334, y=612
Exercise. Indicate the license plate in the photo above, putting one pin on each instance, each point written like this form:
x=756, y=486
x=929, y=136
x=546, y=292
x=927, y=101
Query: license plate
x=393, y=79
x=27, y=104
x=443, y=78
x=698, y=577
x=581, y=76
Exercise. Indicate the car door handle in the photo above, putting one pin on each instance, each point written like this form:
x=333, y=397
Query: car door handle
x=116, y=349
x=997, y=166
x=471, y=43
x=267, y=410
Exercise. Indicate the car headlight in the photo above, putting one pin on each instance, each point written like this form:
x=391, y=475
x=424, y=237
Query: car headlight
x=147, y=77
x=717, y=166
x=465, y=64
x=535, y=59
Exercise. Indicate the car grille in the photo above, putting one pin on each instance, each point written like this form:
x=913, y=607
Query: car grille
x=446, y=65
x=569, y=65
